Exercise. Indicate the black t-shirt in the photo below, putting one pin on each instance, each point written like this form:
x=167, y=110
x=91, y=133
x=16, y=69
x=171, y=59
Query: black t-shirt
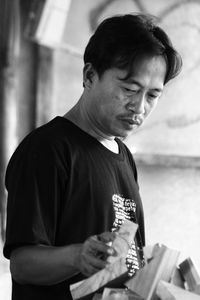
x=64, y=186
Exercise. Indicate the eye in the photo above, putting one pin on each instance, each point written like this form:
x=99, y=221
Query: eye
x=152, y=97
x=129, y=90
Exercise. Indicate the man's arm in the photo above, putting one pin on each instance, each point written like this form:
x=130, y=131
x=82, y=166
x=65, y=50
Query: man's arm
x=46, y=265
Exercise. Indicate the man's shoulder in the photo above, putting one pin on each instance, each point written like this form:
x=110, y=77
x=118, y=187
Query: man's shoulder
x=54, y=139
x=49, y=134
x=43, y=139
x=41, y=146
x=50, y=130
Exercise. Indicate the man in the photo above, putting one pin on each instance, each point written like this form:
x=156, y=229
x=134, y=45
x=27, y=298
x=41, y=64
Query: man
x=72, y=182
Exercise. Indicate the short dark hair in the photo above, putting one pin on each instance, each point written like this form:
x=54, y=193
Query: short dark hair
x=119, y=40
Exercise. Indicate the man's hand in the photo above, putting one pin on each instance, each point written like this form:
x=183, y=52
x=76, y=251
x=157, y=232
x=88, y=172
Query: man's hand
x=47, y=265
x=94, y=253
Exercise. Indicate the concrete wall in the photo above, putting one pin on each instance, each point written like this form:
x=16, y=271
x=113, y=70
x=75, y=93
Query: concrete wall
x=172, y=209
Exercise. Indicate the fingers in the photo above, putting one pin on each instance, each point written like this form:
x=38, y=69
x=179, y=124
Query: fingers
x=96, y=248
x=91, y=264
x=94, y=253
x=107, y=237
x=99, y=246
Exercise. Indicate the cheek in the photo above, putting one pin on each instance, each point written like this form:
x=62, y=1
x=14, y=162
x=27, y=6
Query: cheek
x=150, y=108
x=120, y=100
x=110, y=102
x=115, y=101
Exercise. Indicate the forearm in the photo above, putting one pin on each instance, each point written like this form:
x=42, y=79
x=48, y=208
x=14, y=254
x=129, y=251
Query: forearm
x=44, y=265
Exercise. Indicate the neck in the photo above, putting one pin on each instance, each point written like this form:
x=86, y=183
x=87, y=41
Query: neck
x=79, y=117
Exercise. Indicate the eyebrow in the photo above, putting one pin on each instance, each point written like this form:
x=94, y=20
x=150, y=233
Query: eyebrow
x=133, y=81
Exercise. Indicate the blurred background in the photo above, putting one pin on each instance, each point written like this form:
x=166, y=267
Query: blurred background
x=41, y=48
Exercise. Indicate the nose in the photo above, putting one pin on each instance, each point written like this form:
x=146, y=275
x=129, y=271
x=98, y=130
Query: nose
x=137, y=104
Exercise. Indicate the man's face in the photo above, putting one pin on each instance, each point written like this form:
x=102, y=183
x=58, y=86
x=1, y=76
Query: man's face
x=118, y=106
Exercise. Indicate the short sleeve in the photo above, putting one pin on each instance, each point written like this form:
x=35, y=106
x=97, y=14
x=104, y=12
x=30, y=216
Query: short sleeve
x=35, y=183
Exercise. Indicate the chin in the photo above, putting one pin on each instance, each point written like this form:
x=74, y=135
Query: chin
x=123, y=135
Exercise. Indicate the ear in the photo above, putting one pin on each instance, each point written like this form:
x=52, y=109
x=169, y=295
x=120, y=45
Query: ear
x=88, y=75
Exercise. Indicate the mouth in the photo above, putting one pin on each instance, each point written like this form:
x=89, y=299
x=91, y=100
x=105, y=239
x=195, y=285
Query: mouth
x=132, y=121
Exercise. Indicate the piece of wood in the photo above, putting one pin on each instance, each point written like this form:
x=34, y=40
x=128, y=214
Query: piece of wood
x=44, y=17
x=116, y=267
x=148, y=252
x=177, y=278
x=99, y=279
x=97, y=296
x=168, y=291
x=114, y=294
x=123, y=241
x=161, y=266
x=191, y=276
x=120, y=294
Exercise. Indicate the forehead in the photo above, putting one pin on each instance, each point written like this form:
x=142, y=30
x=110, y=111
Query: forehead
x=146, y=71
